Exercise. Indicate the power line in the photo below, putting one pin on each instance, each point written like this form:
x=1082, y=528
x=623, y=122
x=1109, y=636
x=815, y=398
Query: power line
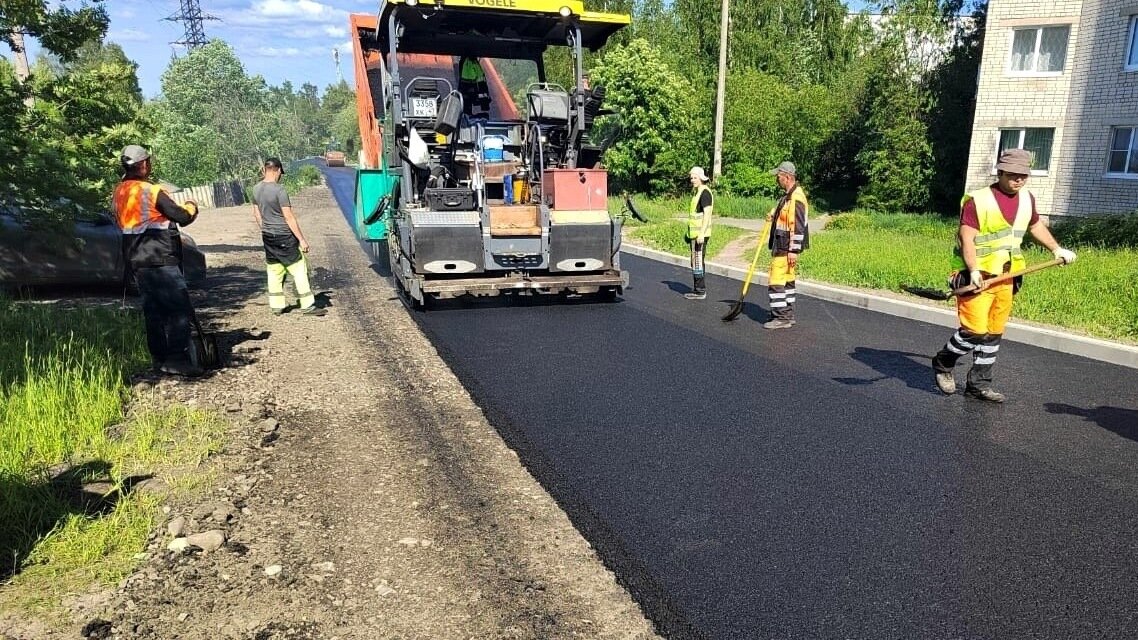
x=191, y=15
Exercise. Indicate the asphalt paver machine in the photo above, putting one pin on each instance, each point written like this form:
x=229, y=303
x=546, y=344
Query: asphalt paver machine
x=478, y=172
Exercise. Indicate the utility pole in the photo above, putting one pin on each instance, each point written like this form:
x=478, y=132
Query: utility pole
x=22, y=70
x=720, y=91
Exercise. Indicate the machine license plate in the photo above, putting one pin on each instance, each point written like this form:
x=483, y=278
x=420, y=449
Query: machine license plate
x=423, y=108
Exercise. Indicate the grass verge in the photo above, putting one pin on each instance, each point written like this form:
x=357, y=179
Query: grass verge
x=669, y=236
x=1096, y=295
x=63, y=426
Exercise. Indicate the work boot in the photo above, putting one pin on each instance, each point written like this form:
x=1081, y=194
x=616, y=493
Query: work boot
x=277, y=312
x=778, y=323
x=985, y=394
x=314, y=311
x=944, y=380
x=696, y=295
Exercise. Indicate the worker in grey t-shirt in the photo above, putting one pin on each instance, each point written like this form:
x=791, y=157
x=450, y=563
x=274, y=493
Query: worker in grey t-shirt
x=285, y=246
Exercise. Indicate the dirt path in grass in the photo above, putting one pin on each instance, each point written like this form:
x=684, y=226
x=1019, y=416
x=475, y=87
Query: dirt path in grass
x=363, y=494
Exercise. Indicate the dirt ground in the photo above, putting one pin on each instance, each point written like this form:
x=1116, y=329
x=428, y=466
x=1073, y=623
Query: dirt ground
x=362, y=495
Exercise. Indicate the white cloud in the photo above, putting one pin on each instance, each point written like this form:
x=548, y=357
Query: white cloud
x=128, y=35
x=335, y=32
x=293, y=9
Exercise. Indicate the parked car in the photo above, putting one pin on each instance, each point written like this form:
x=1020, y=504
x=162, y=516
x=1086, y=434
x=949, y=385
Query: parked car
x=92, y=255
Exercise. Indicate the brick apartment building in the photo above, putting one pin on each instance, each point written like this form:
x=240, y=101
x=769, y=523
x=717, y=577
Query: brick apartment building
x=1060, y=78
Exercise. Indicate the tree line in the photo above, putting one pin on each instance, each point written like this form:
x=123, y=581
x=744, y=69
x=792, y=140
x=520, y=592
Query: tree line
x=66, y=116
x=875, y=109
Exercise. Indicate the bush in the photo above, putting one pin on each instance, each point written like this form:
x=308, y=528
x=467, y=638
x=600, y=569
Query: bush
x=850, y=222
x=1105, y=232
x=306, y=176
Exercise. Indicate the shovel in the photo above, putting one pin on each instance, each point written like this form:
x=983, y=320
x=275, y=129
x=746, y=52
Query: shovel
x=938, y=294
x=737, y=308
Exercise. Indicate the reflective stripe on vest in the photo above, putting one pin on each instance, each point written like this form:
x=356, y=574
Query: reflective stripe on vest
x=998, y=242
x=136, y=207
x=695, y=216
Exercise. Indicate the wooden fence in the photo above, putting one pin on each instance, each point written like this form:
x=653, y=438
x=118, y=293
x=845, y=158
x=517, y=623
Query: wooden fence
x=210, y=196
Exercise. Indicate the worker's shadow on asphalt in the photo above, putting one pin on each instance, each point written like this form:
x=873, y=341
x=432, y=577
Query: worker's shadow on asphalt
x=1123, y=422
x=899, y=365
x=677, y=287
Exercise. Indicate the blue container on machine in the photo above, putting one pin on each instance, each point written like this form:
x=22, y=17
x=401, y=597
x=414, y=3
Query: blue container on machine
x=492, y=148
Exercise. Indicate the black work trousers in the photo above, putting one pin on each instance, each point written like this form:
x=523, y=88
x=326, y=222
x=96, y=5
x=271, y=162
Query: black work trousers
x=166, y=306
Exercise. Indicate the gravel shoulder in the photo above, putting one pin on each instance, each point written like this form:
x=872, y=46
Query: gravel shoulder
x=363, y=493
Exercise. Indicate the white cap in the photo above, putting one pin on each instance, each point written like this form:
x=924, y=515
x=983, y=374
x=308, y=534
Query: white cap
x=698, y=173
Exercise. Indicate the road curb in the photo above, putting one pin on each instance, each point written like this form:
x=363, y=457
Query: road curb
x=1055, y=340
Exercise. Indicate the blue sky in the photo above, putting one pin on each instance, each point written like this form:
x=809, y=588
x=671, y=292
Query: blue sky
x=277, y=39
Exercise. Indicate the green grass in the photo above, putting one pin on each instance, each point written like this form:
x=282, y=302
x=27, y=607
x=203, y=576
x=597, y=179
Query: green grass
x=1096, y=295
x=663, y=209
x=62, y=397
x=669, y=236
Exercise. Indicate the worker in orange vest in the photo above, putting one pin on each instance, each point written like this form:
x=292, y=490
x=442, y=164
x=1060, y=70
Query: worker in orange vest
x=151, y=246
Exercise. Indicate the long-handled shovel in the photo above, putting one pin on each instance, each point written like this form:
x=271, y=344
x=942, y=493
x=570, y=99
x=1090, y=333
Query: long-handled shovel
x=737, y=308
x=938, y=294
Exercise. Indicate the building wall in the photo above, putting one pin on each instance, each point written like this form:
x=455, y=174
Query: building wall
x=1103, y=96
x=1092, y=94
x=1005, y=100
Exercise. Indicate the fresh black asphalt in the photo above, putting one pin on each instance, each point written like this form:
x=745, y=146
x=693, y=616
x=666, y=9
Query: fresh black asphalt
x=811, y=482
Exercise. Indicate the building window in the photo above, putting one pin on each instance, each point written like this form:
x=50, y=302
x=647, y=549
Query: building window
x=1123, y=159
x=1132, y=49
x=1039, y=50
x=1037, y=141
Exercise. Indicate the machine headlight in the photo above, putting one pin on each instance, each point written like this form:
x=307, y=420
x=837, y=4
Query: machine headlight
x=564, y=11
x=411, y=3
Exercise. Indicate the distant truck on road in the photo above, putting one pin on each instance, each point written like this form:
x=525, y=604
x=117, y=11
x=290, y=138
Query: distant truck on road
x=472, y=194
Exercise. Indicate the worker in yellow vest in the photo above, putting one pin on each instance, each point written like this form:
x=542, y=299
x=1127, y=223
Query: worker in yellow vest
x=789, y=236
x=993, y=222
x=152, y=248
x=699, y=230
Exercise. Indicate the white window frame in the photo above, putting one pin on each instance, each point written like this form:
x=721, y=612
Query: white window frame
x=1131, y=45
x=1038, y=43
x=1023, y=134
x=1123, y=175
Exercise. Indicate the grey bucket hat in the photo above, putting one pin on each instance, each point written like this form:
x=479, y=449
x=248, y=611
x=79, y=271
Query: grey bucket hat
x=1015, y=161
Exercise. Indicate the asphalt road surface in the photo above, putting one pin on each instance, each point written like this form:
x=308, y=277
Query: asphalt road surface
x=811, y=482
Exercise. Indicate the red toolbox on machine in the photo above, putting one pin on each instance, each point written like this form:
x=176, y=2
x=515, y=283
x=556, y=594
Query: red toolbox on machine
x=575, y=189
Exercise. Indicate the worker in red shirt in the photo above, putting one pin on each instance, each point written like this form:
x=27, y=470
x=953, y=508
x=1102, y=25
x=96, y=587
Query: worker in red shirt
x=993, y=222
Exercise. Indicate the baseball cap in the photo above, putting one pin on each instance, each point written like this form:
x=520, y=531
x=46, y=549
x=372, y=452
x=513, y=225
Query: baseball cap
x=274, y=163
x=1015, y=161
x=699, y=173
x=132, y=154
x=786, y=167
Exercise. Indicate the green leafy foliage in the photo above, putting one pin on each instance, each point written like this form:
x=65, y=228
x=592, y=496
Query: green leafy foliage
x=655, y=118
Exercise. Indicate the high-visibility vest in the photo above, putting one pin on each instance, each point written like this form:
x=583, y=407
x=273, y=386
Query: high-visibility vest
x=785, y=217
x=695, y=215
x=997, y=242
x=136, y=207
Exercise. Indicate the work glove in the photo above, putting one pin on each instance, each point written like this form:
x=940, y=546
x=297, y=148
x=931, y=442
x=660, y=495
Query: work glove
x=976, y=279
x=192, y=206
x=1066, y=255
